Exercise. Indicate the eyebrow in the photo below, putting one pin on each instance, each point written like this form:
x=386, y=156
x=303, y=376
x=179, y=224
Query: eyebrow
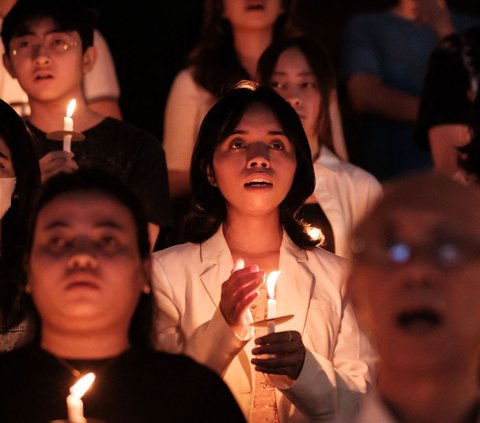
x=4, y=156
x=242, y=132
x=305, y=73
x=107, y=223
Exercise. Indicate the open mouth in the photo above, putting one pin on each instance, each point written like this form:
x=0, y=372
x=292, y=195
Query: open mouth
x=419, y=319
x=258, y=183
x=256, y=6
x=42, y=77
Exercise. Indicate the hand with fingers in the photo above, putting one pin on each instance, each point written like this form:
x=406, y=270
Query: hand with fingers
x=56, y=162
x=434, y=13
x=280, y=353
x=239, y=291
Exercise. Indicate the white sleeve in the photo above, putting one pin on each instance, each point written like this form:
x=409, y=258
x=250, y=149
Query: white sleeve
x=101, y=82
x=184, y=111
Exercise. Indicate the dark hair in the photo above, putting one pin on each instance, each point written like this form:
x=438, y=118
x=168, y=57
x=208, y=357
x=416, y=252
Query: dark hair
x=98, y=181
x=13, y=232
x=69, y=15
x=208, y=204
x=215, y=64
x=321, y=66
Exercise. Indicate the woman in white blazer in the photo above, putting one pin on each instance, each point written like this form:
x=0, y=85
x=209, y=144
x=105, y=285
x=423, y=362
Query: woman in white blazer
x=251, y=170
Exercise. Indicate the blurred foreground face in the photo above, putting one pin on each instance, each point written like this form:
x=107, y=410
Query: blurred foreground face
x=415, y=281
x=85, y=269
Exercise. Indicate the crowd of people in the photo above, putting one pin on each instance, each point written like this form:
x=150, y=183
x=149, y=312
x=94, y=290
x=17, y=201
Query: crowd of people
x=247, y=266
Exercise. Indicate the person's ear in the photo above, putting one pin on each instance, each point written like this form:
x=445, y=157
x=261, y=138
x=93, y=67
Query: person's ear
x=211, y=176
x=89, y=59
x=147, y=276
x=8, y=66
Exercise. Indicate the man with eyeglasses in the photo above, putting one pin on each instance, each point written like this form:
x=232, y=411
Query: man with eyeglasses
x=415, y=286
x=48, y=49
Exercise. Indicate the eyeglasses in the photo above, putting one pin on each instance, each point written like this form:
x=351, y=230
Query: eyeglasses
x=55, y=44
x=443, y=253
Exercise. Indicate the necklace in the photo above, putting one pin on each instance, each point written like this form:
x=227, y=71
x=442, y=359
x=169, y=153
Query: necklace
x=79, y=367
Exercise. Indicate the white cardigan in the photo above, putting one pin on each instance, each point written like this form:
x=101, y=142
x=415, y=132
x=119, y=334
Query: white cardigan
x=187, y=282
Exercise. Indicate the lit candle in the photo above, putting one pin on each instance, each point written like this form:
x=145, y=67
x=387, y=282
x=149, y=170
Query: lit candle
x=272, y=302
x=68, y=125
x=74, y=400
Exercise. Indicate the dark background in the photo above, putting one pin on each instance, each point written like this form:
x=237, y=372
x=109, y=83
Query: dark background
x=149, y=40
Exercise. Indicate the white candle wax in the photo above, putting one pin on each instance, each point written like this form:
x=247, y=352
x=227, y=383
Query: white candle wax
x=271, y=313
x=74, y=400
x=68, y=125
x=272, y=303
x=75, y=409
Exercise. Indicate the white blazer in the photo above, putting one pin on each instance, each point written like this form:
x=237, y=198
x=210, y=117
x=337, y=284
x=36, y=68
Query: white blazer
x=187, y=283
x=346, y=193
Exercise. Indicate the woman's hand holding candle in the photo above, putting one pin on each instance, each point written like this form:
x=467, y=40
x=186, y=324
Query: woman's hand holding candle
x=239, y=291
x=280, y=353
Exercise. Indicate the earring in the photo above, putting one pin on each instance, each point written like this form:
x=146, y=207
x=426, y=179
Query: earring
x=28, y=289
x=146, y=289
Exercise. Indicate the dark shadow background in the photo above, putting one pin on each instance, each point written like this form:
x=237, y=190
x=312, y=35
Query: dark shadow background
x=149, y=41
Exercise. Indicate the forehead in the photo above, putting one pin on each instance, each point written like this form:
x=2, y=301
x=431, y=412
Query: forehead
x=258, y=114
x=292, y=60
x=416, y=224
x=85, y=210
x=41, y=25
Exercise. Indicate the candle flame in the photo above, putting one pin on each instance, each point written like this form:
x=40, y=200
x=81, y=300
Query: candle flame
x=82, y=385
x=271, y=282
x=71, y=107
x=315, y=233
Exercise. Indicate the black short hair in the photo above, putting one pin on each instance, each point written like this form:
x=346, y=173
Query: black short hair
x=68, y=15
x=208, y=204
x=95, y=180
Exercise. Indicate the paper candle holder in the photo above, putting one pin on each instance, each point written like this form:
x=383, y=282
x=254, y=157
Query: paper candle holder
x=59, y=135
x=277, y=320
x=88, y=420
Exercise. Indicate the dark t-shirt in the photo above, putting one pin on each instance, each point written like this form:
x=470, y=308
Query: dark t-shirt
x=139, y=386
x=128, y=152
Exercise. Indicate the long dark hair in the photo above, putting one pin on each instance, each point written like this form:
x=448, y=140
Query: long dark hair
x=321, y=66
x=98, y=181
x=215, y=64
x=208, y=204
x=13, y=224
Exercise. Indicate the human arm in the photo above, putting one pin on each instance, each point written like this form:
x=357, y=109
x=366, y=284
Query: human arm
x=370, y=95
x=188, y=321
x=101, y=86
x=183, y=114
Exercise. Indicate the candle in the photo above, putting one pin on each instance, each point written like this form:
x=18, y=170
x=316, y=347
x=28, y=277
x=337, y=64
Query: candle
x=74, y=400
x=272, y=302
x=68, y=125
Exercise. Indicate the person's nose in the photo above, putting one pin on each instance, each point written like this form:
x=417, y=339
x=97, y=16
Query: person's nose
x=83, y=257
x=418, y=275
x=294, y=97
x=258, y=156
x=41, y=54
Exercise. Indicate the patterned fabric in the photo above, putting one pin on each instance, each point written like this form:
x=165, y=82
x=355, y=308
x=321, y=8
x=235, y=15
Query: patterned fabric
x=264, y=409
